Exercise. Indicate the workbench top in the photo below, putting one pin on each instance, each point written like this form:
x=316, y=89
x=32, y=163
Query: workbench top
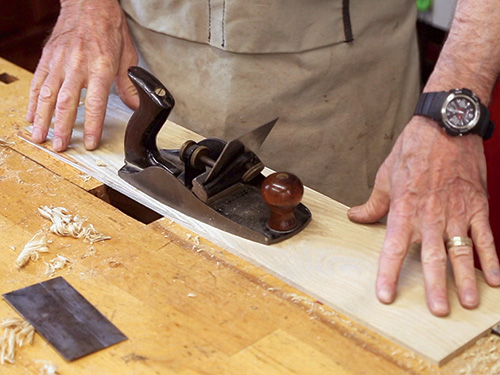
x=186, y=305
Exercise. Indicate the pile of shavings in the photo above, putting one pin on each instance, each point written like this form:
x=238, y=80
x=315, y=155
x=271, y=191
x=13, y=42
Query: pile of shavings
x=63, y=224
x=66, y=225
x=17, y=332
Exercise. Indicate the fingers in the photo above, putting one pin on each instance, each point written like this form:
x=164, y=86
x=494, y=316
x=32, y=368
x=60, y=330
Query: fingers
x=95, y=109
x=36, y=83
x=397, y=241
x=460, y=252
x=434, y=269
x=462, y=261
x=65, y=114
x=485, y=247
x=45, y=107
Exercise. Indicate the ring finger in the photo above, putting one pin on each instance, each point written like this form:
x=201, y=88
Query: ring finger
x=459, y=247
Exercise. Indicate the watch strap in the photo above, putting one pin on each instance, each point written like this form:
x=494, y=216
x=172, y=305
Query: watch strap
x=485, y=126
x=430, y=103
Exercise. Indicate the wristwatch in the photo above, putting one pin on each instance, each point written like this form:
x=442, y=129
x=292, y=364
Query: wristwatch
x=458, y=111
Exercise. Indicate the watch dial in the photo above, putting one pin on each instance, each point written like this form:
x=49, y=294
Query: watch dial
x=460, y=112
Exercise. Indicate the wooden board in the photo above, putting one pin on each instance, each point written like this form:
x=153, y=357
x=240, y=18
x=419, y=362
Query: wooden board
x=332, y=260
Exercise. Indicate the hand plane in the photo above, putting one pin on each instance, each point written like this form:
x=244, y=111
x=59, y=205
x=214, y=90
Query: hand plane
x=217, y=182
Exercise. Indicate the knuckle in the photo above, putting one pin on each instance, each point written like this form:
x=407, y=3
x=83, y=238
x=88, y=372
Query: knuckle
x=393, y=249
x=65, y=100
x=46, y=94
x=103, y=67
x=95, y=104
x=485, y=240
x=404, y=207
x=432, y=206
x=434, y=257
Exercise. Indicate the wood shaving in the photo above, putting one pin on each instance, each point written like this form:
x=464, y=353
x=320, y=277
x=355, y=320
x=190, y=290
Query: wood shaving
x=92, y=235
x=55, y=264
x=48, y=368
x=100, y=163
x=5, y=143
x=66, y=225
x=38, y=244
x=85, y=177
x=16, y=332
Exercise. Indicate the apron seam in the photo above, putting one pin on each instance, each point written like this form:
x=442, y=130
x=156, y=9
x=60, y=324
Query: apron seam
x=346, y=16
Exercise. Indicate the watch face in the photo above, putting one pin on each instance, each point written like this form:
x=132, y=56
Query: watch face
x=460, y=112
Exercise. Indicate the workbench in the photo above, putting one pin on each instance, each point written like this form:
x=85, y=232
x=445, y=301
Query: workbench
x=187, y=306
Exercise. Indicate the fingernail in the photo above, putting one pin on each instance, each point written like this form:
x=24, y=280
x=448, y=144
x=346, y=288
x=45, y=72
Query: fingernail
x=470, y=299
x=36, y=135
x=440, y=307
x=57, y=144
x=495, y=277
x=353, y=211
x=90, y=142
x=385, y=294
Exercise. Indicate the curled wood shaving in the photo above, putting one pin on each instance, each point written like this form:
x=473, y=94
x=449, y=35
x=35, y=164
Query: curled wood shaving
x=66, y=225
x=55, y=264
x=63, y=223
x=16, y=332
x=38, y=244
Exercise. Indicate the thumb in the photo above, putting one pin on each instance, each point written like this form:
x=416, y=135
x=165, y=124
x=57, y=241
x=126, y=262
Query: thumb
x=377, y=205
x=374, y=209
x=124, y=87
x=126, y=90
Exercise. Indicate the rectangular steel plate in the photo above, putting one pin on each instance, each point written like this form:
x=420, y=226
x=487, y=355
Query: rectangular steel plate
x=62, y=316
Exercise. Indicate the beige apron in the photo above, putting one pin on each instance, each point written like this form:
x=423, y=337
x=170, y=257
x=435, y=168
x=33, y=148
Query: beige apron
x=232, y=65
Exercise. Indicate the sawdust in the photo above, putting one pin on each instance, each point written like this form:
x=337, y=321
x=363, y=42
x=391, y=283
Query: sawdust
x=38, y=244
x=481, y=359
x=100, y=163
x=17, y=332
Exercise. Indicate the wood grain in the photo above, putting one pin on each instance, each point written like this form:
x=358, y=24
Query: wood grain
x=332, y=260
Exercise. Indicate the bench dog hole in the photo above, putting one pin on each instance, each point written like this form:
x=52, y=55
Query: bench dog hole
x=126, y=205
x=7, y=78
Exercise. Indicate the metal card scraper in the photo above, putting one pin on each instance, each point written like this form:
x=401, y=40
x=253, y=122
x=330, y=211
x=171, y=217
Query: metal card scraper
x=63, y=317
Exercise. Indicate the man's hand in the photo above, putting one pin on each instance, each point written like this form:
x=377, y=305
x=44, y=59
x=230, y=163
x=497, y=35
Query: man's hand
x=434, y=187
x=89, y=46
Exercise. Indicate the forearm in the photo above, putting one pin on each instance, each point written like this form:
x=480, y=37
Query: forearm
x=471, y=55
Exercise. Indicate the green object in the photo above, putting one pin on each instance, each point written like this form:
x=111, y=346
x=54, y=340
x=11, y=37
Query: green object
x=424, y=5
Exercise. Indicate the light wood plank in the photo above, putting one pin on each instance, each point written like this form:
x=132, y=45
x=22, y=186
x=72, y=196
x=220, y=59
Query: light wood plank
x=332, y=260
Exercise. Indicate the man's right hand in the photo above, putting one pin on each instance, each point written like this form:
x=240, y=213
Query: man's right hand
x=89, y=46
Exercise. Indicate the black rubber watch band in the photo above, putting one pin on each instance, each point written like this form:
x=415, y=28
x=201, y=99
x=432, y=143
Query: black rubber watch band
x=430, y=104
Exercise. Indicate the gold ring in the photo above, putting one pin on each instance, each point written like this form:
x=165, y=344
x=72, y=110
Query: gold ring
x=458, y=241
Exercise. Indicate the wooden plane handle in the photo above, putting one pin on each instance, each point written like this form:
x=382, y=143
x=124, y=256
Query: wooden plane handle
x=282, y=191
